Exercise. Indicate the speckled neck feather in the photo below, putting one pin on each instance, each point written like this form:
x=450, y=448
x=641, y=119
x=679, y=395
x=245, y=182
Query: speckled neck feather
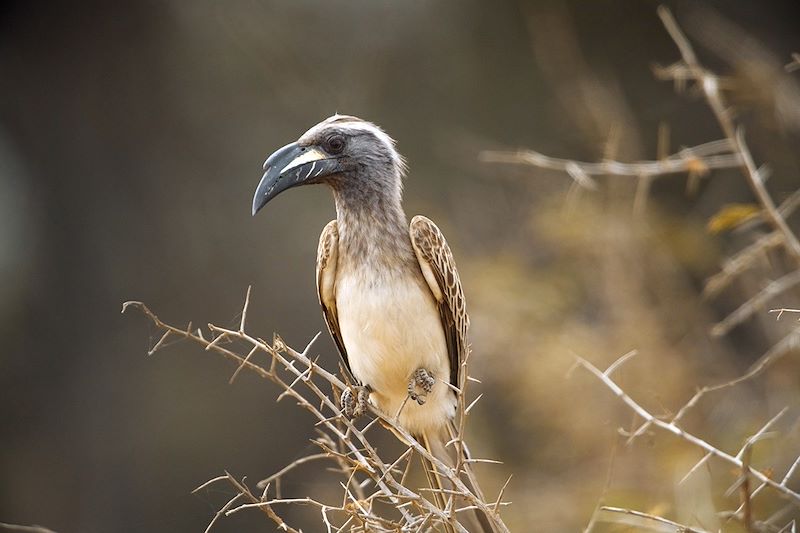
x=373, y=230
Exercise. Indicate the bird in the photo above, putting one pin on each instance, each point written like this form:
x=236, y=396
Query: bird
x=390, y=293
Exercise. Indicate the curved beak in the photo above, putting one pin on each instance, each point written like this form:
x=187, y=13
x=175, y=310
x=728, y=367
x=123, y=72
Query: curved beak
x=290, y=166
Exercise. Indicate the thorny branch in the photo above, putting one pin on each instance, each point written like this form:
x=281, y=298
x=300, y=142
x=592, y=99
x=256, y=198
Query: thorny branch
x=741, y=460
x=756, y=303
x=639, y=517
x=672, y=427
x=730, y=152
x=747, y=257
x=367, y=478
x=698, y=160
x=709, y=82
x=689, y=69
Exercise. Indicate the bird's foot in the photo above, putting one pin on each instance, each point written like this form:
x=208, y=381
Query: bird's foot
x=354, y=401
x=420, y=379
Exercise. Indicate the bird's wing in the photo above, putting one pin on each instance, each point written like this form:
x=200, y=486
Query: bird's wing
x=439, y=269
x=327, y=257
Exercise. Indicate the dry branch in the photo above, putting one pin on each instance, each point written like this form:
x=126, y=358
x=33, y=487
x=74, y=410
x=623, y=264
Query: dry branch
x=730, y=152
x=709, y=83
x=657, y=523
x=699, y=159
x=756, y=303
x=672, y=427
x=741, y=261
x=359, y=463
x=368, y=480
x=689, y=69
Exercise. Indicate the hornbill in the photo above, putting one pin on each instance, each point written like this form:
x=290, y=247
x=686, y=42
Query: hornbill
x=390, y=292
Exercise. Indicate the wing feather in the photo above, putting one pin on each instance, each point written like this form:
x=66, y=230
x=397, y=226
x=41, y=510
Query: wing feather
x=327, y=259
x=439, y=269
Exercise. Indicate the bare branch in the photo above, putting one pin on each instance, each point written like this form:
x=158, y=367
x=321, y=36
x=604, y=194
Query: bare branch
x=756, y=303
x=788, y=343
x=783, y=310
x=296, y=373
x=741, y=261
x=660, y=521
x=596, y=513
x=222, y=511
x=713, y=155
x=670, y=427
x=291, y=466
x=709, y=83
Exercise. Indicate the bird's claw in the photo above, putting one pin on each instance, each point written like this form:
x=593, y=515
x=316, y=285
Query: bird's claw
x=354, y=405
x=423, y=379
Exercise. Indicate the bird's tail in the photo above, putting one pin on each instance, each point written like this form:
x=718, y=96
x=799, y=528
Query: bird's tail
x=438, y=481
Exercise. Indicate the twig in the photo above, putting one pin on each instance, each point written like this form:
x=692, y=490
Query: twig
x=788, y=343
x=747, y=309
x=783, y=310
x=747, y=516
x=784, y=481
x=688, y=437
x=341, y=440
x=741, y=261
x=674, y=526
x=713, y=155
x=291, y=466
x=709, y=83
x=600, y=501
x=222, y=511
x=208, y=483
x=266, y=509
x=745, y=258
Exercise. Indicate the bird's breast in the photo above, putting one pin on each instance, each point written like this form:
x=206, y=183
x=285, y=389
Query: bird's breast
x=390, y=327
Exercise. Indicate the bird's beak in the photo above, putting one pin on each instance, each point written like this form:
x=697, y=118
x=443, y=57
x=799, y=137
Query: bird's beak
x=290, y=166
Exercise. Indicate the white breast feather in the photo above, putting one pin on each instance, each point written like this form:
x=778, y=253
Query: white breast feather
x=390, y=328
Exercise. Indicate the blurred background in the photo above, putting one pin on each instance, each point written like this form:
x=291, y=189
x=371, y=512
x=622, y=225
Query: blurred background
x=131, y=140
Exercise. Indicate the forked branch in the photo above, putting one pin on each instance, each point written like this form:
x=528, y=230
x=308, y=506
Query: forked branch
x=366, y=477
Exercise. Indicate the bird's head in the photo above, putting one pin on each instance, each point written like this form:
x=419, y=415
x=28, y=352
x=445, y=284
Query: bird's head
x=344, y=152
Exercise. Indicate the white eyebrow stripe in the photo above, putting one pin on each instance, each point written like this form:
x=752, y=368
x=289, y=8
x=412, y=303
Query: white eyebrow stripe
x=353, y=126
x=363, y=127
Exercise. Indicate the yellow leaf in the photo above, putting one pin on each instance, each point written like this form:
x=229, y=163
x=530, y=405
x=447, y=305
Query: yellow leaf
x=731, y=216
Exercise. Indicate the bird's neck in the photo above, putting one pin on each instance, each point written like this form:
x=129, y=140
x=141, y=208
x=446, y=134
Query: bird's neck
x=373, y=229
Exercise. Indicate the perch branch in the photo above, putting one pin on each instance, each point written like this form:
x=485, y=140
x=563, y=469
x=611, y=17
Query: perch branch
x=298, y=376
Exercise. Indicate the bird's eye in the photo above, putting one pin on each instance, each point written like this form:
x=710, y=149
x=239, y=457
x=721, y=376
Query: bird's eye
x=334, y=144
